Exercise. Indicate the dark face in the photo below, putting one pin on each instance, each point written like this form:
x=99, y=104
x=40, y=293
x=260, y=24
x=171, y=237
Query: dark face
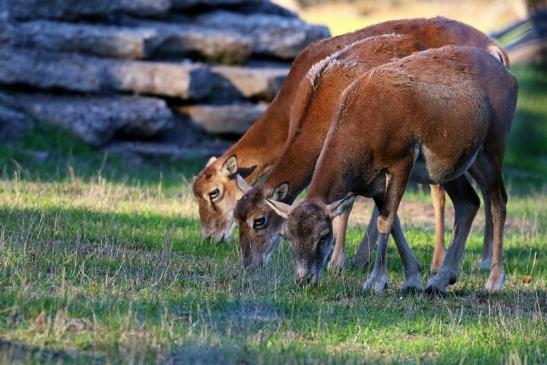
x=259, y=228
x=309, y=231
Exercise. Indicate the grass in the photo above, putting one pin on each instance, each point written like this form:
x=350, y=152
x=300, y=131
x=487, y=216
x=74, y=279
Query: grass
x=529, y=132
x=100, y=271
x=101, y=262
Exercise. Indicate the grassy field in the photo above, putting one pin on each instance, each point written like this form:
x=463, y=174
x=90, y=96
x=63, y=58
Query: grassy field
x=101, y=262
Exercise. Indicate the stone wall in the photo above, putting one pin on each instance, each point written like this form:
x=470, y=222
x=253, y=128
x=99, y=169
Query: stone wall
x=155, y=76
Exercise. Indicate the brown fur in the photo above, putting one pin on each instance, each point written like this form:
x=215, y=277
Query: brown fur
x=260, y=146
x=313, y=108
x=455, y=104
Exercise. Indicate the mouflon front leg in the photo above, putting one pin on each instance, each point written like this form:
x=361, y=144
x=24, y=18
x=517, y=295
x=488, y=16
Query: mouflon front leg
x=413, y=280
x=397, y=178
x=378, y=277
x=363, y=254
x=466, y=203
x=339, y=225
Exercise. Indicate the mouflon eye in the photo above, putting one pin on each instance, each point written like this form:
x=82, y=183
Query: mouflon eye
x=214, y=194
x=259, y=223
x=323, y=239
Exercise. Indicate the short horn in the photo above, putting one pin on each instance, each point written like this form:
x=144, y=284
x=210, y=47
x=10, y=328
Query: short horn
x=242, y=184
x=211, y=161
x=280, y=208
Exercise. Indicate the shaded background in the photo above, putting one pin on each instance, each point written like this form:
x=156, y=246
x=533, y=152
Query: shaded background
x=149, y=77
x=520, y=26
x=182, y=79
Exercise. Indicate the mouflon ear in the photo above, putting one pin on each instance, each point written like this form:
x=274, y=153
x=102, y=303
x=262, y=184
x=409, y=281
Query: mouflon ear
x=243, y=185
x=340, y=206
x=280, y=192
x=211, y=161
x=280, y=208
x=229, y=168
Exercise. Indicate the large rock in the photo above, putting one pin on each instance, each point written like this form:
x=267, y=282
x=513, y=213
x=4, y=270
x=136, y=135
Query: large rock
x=51, y=70
x=222, y=119
x=101, y=40
x=13, y=123
x=164, y=151
x=254, y=82
x=95, y=120
x=273, y=35
x=183, y=81
x=93, y=9
x=242, y=6
x=142, y=40
x=264, y=7
x=213, y=45
x=77, y=9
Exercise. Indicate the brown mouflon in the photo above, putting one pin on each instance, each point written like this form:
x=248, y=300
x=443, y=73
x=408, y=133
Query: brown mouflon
x=313, y=108
x=258, y=149
x=454, y=106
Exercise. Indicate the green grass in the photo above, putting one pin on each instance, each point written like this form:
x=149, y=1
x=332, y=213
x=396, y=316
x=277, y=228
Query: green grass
x=101, y=262
x=529, y=133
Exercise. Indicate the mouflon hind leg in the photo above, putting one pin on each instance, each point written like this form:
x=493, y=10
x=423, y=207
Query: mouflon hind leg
x=499, y=202
x=438, y=197
x=482, y=181
x=498, y=197
x=466, y=203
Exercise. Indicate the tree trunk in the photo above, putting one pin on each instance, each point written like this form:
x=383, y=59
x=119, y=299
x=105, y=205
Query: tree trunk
x=537, y=12
x=535, y=5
